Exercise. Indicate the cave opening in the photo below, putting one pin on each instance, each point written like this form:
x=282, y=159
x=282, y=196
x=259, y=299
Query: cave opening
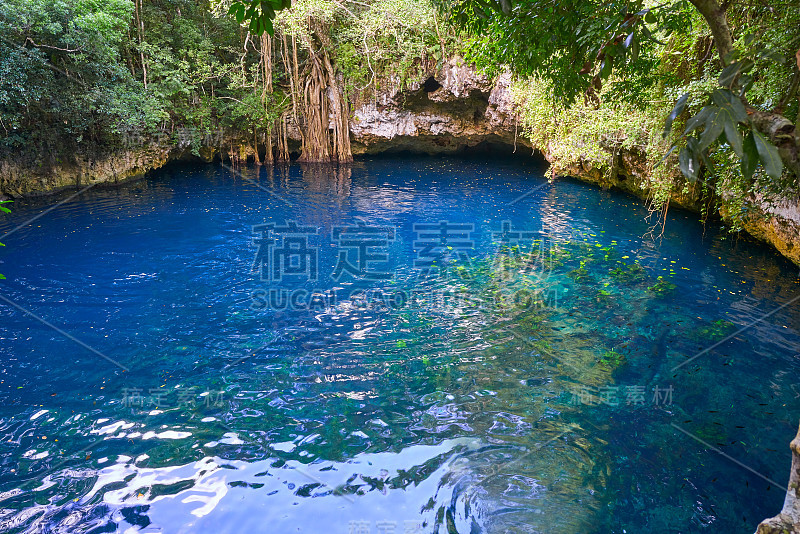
x=431, y=85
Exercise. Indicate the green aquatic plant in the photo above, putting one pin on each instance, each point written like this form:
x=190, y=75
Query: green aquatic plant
x=712, y=433
x=630, y=274
x=581, y=274
x=662, y=287
x=610, y=253
x=715, y=331
x=612, y=359
x=542, y=346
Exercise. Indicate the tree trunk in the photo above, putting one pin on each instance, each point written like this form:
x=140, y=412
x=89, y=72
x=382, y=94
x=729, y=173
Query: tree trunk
x=283, y=138
x=324, y=107
x=717, y=20
x=255, y=147
x=316, y=147
x=266, y=92
x=140, y=31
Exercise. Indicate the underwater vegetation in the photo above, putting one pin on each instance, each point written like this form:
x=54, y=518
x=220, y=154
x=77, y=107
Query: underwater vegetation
x=631, y=274
x=714, y=331
x=612, y=359
x=662, y=288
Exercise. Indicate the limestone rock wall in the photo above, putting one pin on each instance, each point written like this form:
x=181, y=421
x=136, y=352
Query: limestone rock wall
x=788, y=521
x=23, y=178
x=448, y=112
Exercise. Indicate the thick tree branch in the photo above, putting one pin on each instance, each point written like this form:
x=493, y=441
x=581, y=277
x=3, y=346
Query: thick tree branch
x=717, y=21
x=781, y=107
x=68, y=50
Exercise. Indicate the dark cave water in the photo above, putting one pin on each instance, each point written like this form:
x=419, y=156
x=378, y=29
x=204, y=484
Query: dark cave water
x=404, y=345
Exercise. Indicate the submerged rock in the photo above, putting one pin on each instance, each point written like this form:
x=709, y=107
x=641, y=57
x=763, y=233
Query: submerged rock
x=788, y=521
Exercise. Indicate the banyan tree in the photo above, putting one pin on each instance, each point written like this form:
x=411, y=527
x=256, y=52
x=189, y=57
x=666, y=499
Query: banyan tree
x=315, y=67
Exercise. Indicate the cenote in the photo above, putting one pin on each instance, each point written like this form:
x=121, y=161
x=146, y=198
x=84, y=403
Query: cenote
x=406, y=344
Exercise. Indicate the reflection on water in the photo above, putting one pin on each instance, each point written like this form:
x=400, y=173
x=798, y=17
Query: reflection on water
x=523, y=385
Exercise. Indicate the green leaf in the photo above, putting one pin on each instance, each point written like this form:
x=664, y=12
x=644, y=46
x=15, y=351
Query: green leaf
x=769, y=156
x=2, y=277
x=237, y=9
x=729, y=115
x=635, y=50
x=715, y=124
x=739, y=113
x=729, y=73
x=771, y=55
x=649, y=17
x=605, y=68
x=745, y=82
x=731, y=56
x=688, y=164
x=749, y=157
x=733, y=136
x=696, y=120
x=724, y=99
x=680, y=105
x=628, y=40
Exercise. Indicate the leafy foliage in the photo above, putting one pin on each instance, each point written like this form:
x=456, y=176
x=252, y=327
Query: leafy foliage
x=574, y=46
x=61, y=77
x=258, y=13
x=577, y=47
x=376, y=44
x=721, y=120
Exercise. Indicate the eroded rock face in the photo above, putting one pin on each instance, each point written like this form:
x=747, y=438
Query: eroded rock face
x=788, y=521
x=778, y=225
x=24, y=179
x=448, y=112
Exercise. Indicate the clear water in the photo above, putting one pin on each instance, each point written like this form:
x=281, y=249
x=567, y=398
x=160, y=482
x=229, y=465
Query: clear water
x=454, y=411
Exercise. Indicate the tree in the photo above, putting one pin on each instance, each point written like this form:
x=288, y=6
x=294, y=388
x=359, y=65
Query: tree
x=61, y=81
x=577, y=46
x=259, y=14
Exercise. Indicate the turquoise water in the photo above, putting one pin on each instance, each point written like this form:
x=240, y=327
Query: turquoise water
x=485, y=381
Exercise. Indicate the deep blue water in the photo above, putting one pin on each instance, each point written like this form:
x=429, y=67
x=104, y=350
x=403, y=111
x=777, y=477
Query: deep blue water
x=447, y=377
